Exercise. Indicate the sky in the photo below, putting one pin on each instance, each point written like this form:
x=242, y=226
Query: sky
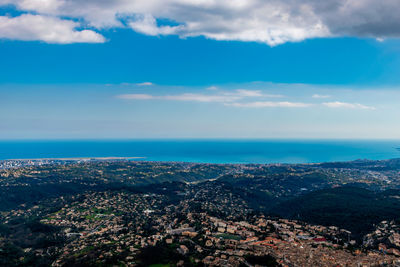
x=122, y=69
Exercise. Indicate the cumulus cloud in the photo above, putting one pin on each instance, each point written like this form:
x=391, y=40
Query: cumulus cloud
x=272, y=22
x=29, y=27
x=364, y=18
x=338, y=104
x=147, y=24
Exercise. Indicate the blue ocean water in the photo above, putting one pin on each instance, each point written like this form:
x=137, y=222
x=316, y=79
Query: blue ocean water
x=207, y=151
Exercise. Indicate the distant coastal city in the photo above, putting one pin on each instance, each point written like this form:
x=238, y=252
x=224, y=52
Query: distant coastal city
x=16, y=163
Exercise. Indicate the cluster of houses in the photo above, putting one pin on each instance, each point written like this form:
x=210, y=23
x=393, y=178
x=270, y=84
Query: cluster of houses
x=107, y=224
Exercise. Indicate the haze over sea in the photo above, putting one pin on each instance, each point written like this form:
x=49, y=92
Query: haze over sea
x=207, y=151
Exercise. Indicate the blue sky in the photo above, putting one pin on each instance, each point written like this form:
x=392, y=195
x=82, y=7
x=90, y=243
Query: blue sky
x=159, y=74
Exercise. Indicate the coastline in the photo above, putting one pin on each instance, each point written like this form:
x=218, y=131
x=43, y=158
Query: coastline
x=206, y=151
x=74, y=158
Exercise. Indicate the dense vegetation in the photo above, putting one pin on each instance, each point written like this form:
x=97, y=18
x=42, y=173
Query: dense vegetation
x=351, y=208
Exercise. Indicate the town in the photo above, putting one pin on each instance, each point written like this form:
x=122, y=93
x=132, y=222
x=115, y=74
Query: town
x=109, y=213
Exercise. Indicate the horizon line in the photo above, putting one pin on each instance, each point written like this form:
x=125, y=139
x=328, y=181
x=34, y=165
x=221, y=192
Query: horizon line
x=198, y=139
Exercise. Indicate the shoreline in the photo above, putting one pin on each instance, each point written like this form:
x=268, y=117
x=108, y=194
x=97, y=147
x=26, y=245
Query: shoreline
x=145, y=159
x=76, y=158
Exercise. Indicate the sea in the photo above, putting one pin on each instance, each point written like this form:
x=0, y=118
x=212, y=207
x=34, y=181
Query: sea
x=206, y=151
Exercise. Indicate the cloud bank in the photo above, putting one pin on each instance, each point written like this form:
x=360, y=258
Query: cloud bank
x=242, y=98
x=272, y=22
x=223, y=97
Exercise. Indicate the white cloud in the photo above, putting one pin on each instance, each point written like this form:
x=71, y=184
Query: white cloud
x=147, y=24
x=136, y=96
x=202, y=98
x=222, y=97
x=133, y=84
x=228, y=99
x=40, y=6
x=250, y=93
x=183, y=97
x=320, y=96
x=145, y=84
x=29, y=27
x=269, y=104
x=272, y=22
x=237, y=98
x=338, y=104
